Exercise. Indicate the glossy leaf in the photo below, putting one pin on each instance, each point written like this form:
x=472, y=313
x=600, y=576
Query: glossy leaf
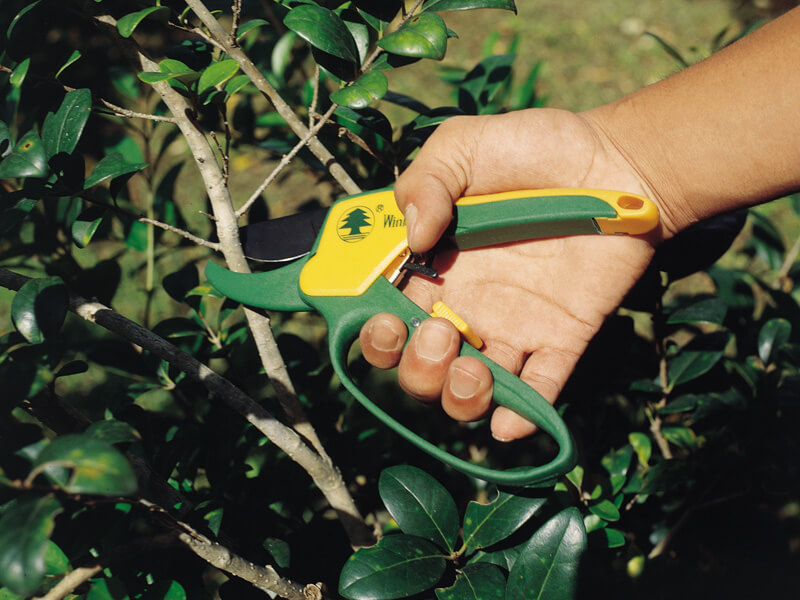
x=504, y=558
x=62, y=130
x=179, y=70
x=80, y=464
x=128, y=24
x=112, y=432
x=575, y=477
x=547, y=568
x=282, y=53
x=107, y=589
x=479, y=581
x=642, y=446
x=420, y=505
x=111, y=166
x=697, y=358
x=73, y=58
x=683, y=437
x=27, y=159
x=773, y=336
x=323, y=29
x=397, y=567
x=487, y=524
x=378, y=15
x=5, y=140
x=235, y=85
x=249, y=26
x=39, y=308
x=217, y=74
x=279, y=550
x=442, y=5
x=424, y=36
x=363, y=91
x=710, y=310
x=606, y=510
x=25, y=530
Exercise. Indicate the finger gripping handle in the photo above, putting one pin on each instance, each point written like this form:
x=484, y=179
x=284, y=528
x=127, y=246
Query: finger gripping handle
x=509, y=391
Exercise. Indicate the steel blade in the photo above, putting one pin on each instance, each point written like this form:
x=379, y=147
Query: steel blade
x=283, y=239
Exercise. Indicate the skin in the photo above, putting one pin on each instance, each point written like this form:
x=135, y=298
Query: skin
x=717, y=136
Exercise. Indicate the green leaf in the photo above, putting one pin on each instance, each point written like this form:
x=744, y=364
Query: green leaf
x=16, y=214
x=487, y=524
x=618, y=462
x=109, y=167
x=480, y=581
x=235, y=85
x=642, y=446
x=39, y=308
x=127, y=24
x=442, y=5
x=482, y=84
x=365, y=90
x=711, y=310
x=25, y=33
x=86, y=225
x=108, y=589
x=249, y=26
x=178, y=70
x=279, y=550
x=606, y=510
x=55, y=561
x=27, y=159
x=575, y=477
x=680, y=436
x=697, y=358
x=282, y=53
x=773, y=336
x=80, y=464
x=323, y=29
x=424, y=36
x=152, y=77
x=5, y=140
x=378, y=15
x=614, y=537
x=547, y=568
x=25, y=530
x=216, y=74
x=420, y=504
x=397, y=567
x=62, y=130
x=112, y=432
x=671, y=50
x=17, y=76
x=73, y=58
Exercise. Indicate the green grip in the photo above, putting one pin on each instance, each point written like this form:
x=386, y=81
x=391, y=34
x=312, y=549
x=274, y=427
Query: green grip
x=490, y=223
x=346, y=316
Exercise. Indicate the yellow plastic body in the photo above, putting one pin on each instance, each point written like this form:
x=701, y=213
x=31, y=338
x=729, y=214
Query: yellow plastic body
x=441, y=310
x=361, y=239
x=636, y=214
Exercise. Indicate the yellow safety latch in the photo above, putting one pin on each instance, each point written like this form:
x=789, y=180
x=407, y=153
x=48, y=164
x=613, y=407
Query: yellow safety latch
x=440, y=309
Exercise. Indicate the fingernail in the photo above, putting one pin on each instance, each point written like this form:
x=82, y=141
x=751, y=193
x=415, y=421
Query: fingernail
x=411, y=220
x=501, y=439
x=385, y=337
x=434, y=340
x=463, y=384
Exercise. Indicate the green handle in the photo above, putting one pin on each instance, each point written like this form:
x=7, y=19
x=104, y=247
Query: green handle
x=346, y=316
x=528, y=218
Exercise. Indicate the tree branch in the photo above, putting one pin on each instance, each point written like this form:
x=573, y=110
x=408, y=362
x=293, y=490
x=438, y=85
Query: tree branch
x=222, y=37
x=324, y=474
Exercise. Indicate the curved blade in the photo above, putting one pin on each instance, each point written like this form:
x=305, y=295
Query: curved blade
x=273, y=290
x=283, y=239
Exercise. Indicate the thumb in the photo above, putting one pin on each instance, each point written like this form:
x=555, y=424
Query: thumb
x=438, y=176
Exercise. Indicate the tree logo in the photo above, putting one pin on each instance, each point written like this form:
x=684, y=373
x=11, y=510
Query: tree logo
x=356, y=224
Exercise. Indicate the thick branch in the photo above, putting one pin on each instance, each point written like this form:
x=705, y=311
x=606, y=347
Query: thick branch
x=325, y=476
x=222, y=37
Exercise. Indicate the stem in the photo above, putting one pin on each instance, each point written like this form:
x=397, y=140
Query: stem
x=663, y=376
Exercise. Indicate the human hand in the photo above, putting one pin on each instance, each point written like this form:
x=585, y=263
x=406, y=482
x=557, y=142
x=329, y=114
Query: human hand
x=536, y=304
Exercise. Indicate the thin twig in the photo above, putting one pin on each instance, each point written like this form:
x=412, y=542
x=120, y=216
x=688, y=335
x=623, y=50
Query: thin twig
x=130, y=114
x=285, y=161
x=236, y=8
x=788, y=262
x=312, y=109
x=181, y=232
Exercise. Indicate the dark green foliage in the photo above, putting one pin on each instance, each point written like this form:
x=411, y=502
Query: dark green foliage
x=686, y=411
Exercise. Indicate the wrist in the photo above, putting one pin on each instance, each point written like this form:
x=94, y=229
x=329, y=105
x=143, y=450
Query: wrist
x=632, y=152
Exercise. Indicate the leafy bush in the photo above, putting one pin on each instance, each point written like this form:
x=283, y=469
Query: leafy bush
x=125, y=468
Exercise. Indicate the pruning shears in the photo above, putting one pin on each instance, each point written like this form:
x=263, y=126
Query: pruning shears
x=345, y=264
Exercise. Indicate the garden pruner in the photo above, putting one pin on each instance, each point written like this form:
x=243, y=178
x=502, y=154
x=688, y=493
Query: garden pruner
x=358, y=251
